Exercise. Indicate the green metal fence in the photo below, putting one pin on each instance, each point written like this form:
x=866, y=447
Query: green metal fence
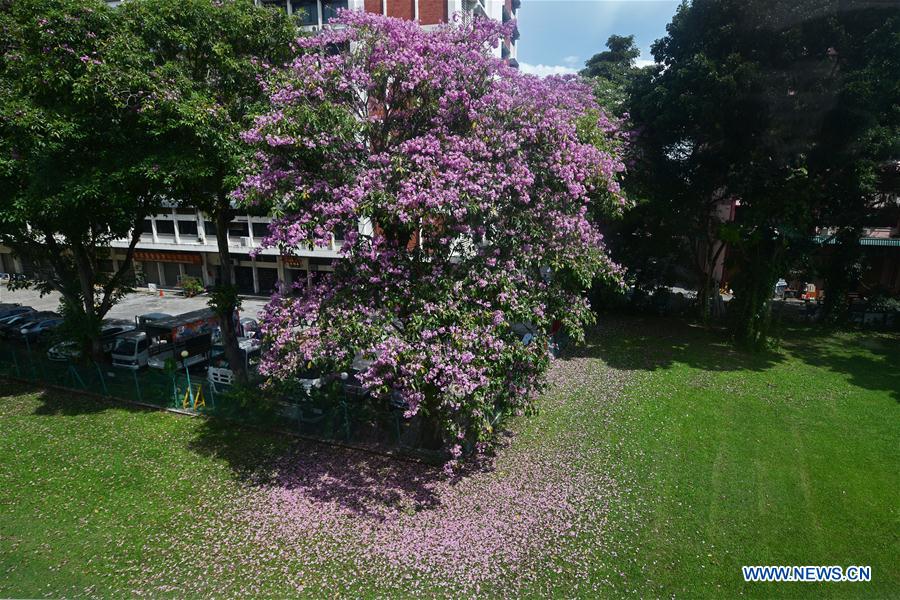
x=329, y=414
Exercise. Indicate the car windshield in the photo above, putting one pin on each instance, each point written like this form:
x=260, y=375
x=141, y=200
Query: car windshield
x=124, y=346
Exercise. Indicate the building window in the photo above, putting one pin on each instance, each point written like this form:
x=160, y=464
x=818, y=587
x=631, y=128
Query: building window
x=238, y=229
x=307, y=11
x=260, y=230
x=209, y=228
x=165, y=227
x=147, y=226
x=187, y=227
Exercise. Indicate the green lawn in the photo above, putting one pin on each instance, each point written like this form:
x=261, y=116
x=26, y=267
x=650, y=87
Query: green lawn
x=660, y=462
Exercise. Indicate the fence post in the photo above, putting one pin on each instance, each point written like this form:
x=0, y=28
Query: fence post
x=137, y=386
x=102, y=379
x=34, y=374
x=76, y=378
x=346, y=421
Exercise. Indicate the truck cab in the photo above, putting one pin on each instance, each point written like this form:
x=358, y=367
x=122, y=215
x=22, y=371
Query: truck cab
x=163, y=339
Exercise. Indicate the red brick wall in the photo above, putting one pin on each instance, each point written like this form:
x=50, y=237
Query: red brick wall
x=400, y=8
x=433, y=11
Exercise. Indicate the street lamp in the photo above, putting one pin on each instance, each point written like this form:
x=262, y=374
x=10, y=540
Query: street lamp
x=344, y=376
x=184, y=355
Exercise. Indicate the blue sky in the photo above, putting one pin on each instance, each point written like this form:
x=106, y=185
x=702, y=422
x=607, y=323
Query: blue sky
x=557, y=36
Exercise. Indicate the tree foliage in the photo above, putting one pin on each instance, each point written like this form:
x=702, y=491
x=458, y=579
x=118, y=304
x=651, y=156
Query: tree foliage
x=611, y=72
x=202, y=63
x=471, y=196
x=78, y=168
x=757, y=101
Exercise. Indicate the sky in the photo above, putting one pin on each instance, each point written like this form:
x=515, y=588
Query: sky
x=558, y=36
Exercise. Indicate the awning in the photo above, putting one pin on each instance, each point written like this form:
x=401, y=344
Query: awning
x=865, y=241
x=167, y=257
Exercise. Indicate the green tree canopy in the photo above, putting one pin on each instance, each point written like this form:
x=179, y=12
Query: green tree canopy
x=78, y=167
x=204, y=62
x=748, y=104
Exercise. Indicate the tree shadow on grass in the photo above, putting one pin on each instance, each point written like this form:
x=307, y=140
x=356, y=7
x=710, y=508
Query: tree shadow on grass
x=651, y=343
x=71, y=404
x=869, y=360
x=362, y=483
x=54, y=401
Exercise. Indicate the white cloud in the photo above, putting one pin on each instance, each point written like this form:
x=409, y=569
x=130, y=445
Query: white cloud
x=544, y=70
x=644, y=62
x=571, y=60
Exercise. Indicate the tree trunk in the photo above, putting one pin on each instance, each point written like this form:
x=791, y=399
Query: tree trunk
x=227, y=305
x=841, y=274
x=753, y=287
x=90, y=321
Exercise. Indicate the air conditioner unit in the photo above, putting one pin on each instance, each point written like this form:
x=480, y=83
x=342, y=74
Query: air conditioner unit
x=246, y=242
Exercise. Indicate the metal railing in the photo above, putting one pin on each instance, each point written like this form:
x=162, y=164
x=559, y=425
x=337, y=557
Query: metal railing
x=327, y=414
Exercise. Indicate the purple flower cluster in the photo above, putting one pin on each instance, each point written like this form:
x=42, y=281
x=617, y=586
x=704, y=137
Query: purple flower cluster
x=465, y=195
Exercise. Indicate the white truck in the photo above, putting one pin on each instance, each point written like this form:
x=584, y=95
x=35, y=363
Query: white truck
x=166, y=339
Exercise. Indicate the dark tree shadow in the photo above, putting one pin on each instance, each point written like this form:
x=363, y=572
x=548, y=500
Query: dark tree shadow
x=877, y=368
x=70, y=404
x=55, y=401
x=363, y=483
x=648, y=343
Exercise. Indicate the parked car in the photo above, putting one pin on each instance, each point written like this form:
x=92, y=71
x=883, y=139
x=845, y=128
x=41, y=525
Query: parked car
x=4, y=277
x=15, y=322
x=64, y=351
x=38, y=330
x=219, y=373
x=249, y=328
x=18, y=277
x=109, y=333
x=9, y=310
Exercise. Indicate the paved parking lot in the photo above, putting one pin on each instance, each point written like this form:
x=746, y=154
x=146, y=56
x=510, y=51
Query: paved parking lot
x=136, y=303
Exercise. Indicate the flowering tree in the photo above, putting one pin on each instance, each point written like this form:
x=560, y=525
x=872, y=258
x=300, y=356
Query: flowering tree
x=466, y=196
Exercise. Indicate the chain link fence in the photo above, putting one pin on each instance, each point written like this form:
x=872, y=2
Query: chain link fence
x=328, y=414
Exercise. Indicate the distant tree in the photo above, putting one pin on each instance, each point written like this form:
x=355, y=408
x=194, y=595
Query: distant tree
x=204, y=64
x=738, y=108
x=610, y=64
x=857, y=147
x=612, y=70
x=77, y=169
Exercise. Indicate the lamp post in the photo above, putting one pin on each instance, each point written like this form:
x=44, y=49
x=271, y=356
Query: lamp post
x=184, y=355
x=344, y=377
